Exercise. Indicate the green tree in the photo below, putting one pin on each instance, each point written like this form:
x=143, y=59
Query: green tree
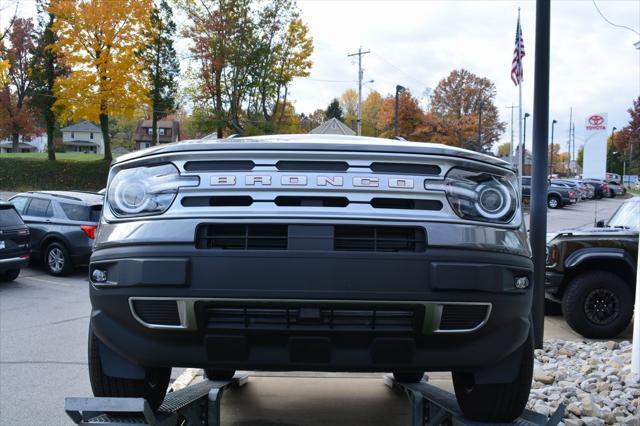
x=163, y=67
x=334, y=110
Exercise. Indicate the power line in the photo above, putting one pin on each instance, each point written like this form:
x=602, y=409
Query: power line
x=611, y=23
x=360, y=74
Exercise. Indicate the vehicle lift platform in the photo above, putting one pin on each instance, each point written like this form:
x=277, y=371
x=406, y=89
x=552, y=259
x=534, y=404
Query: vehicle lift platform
x=199, y=404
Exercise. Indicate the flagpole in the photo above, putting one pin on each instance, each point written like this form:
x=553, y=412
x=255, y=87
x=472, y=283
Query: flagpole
x=520, y=144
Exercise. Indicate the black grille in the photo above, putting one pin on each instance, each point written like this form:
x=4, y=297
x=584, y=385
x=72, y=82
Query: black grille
x=312, y=166
x=293, y=201
x=406, y=169
x=405, y=204
x=379, y=238
x=462, y=317
x=219, y=166
x=242, y=237
x=311, y=237
x=218, y=201
x=157, y=312
x=310, y=318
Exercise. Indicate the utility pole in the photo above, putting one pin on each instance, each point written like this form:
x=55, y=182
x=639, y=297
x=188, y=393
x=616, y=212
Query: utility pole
x=573, y=142
x=360, y=74
x=399, y=89
x=480, y=126
x=569, y=141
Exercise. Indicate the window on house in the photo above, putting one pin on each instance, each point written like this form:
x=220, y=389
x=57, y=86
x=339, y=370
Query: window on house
x=144, y=145
x=161, y=132
x=91, y=135
x=73, y=135
x=149, y=131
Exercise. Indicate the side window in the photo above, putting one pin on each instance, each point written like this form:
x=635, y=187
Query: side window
x=20, y=203
x=76, y=212
x=39, y=208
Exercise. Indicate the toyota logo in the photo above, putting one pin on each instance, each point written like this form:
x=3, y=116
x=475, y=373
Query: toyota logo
x=596, y=120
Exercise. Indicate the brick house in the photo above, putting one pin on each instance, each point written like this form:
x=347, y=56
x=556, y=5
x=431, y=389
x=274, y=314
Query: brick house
x=168, y=131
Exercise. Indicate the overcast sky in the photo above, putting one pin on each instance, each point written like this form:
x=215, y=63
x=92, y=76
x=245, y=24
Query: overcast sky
x=594, y=66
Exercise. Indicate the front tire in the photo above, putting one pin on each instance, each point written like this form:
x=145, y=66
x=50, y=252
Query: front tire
x=554, y=202
x=10, y=275
x=57, y=260
x=496, y=402
x=598, y=304
x=153, y=387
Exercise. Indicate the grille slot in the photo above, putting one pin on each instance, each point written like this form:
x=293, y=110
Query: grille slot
x=405, y=204
x=462, y=317
x=311, y=318
x=293, y=201
x=218, y=201
x=157, y=312
x=379, y=238
x=243, y=237
x=312, y=166
x=219, y=166
x=406, y=169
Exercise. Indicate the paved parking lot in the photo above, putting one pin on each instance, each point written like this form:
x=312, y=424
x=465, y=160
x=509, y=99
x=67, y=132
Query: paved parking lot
x=43, y=331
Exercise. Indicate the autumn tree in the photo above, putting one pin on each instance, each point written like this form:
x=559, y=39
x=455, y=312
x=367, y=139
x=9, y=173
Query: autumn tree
x=456, y=104
x=315, y=119
x=45, y=69
x=162, y=65
x=370, y=110
x=627, y=140
x=100, y=41
x=411, y=118
x=248, y=54
x=504, y=150
x=16, y=117
x=334, y=110
x=349, y=104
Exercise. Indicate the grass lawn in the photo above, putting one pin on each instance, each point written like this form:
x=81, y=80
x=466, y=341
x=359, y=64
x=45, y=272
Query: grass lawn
x=71, y=156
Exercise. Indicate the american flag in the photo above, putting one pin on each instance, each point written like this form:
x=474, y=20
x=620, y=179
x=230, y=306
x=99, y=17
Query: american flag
x=518, y=54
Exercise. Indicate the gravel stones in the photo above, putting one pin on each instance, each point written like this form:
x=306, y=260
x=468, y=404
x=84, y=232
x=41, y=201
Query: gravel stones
x=593, y=380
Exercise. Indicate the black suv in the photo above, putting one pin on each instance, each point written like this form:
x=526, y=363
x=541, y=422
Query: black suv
x=14, y=243
x=592, y=272
x=558, y=196
x=313, y=252
x=62, y=225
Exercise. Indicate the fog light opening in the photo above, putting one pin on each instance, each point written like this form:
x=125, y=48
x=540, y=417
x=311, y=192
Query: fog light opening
x=99, y=276
x=521, y=283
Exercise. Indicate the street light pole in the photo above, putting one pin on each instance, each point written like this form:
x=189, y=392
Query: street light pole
x=399, y=89
x=553, y=125
x=480, y=126
x=524, y=142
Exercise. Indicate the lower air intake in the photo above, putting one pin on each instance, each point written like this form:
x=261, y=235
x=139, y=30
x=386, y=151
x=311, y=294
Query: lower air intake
x=157, y=312
x=460, y=317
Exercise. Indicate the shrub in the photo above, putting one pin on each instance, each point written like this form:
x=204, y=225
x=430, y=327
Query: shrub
x=20, y=174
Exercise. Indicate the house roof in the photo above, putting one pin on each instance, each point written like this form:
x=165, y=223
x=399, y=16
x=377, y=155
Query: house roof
x=333, y=126
x=21, y=145
x=82, y=126
x=79, y=143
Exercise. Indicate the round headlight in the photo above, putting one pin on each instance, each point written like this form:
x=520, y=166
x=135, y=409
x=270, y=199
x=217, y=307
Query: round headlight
x=493, y=201
x=131, y=198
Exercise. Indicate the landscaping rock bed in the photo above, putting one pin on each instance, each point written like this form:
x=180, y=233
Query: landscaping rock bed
x=593, y=380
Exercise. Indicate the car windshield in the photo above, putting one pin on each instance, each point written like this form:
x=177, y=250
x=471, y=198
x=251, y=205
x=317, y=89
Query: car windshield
x=9, y=217
x=627, y=216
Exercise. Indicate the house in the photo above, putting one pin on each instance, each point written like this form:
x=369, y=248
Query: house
x=7, y=147
x=168, y=131
x=83, y=136
x=333, y=126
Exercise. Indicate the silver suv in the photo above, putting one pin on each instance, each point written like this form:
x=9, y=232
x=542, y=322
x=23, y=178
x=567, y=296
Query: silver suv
x=308, y=252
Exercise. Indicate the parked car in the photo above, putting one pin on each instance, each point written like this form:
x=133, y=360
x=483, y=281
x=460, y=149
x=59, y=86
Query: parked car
x=14, y=242
x=600, y=187
x=558, y=196
x=62, y=226
x=592, y=273
x=270, y=253
x=615, y=189
x=577, y=189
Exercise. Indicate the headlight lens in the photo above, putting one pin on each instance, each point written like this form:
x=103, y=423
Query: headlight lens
x=146, y=190
x=481, y=196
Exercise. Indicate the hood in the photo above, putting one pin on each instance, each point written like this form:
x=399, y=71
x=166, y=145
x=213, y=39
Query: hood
x=310, y=142
x=590, y=231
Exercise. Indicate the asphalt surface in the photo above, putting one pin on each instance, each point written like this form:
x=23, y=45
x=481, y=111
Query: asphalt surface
x=43, y=332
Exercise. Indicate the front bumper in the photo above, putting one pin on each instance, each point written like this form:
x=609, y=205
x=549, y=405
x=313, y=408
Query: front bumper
x=310, y=290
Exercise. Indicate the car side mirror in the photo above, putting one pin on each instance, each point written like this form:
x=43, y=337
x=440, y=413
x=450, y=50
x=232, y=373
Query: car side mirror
x=600, y=223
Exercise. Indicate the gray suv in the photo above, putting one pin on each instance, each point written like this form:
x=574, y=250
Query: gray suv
x=316, y=253
x=62, y=226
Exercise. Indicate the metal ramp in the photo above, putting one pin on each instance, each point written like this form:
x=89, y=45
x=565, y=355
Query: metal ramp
x=199, y=404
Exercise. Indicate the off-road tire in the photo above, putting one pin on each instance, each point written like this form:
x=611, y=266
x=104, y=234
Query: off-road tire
x=153, y=388
x=408, y=376
x=554, y=202
x=214, y=374
x=496, y=402
x=576, y=296
x=10, y=275
x=57, y=251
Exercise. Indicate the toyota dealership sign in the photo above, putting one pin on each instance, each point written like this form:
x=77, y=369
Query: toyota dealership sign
x=595, y=146
x=597, y=122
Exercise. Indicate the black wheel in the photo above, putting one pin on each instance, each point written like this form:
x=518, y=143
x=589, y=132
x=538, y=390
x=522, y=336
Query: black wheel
x=552, y=309
x=153, y=387
x=408, y=376
x=598, y=304
x=554, y=202
x=213, y=374
x=496, y=402
x=10, y=275
x=57, y=260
